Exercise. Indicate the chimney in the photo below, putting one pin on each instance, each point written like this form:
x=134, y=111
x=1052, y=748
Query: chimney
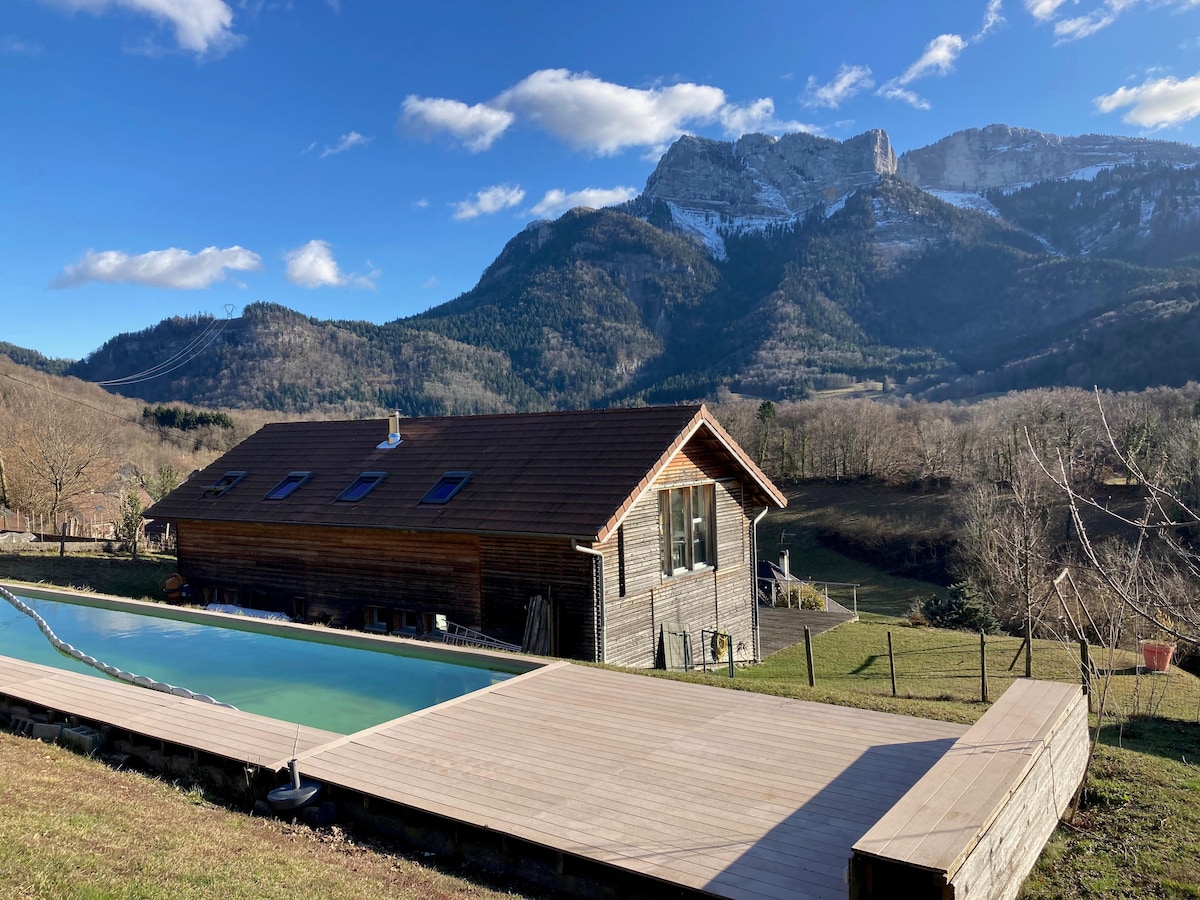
x=785, y=564
x=393, y=438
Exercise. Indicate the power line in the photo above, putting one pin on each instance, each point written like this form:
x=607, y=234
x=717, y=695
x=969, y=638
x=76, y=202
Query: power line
x=212, y=331
x=38, y=387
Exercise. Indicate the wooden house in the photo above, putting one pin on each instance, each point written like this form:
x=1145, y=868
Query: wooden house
x=624, y=521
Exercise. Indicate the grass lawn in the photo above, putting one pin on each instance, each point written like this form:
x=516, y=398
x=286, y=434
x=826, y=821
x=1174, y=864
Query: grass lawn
x=74, y=829
x=104, y=573
x=1137, y=834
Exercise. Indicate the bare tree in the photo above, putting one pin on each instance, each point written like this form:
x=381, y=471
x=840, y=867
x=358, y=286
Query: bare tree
x=59, y=452
x=1006, y=541
x=1156, y=575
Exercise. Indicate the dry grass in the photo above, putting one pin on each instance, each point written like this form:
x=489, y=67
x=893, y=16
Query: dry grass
x=74, y=828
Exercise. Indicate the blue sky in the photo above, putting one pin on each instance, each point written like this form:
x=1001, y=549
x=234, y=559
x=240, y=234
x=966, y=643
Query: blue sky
x=367, y=159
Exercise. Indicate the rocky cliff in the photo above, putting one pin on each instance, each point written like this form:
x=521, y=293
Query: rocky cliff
x=759, y=180
x=1001, y=156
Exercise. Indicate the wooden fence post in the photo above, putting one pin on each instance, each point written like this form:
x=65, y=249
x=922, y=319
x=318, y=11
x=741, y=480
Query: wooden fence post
x=812, y=676
x=1029, y=648
x=1085, y=670
x=892, y=663
x=983, y=685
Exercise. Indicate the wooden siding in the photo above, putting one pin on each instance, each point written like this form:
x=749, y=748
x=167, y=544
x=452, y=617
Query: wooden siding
x=973, y=826
x=721, y=597
x=338, y=571
x=515, y=569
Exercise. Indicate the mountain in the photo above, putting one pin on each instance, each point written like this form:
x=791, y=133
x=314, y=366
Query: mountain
x=768, y=267
x=1000, y=156
x=759, y=180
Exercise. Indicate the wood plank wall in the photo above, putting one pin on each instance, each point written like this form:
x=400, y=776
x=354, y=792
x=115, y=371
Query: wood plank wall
x=338, y=572
x=721, y=597
x=515, y=569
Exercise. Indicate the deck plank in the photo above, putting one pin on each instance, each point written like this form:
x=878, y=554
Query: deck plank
x=739, y=794
x=735, y=794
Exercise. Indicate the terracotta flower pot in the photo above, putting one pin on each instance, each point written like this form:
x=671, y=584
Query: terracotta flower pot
x=1157, y=655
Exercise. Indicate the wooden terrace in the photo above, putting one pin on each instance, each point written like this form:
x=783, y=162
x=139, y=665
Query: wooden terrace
x=683, y=788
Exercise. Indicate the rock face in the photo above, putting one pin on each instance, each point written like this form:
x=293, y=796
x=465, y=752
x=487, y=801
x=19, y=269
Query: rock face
x=1002, y=156
x=760, y=180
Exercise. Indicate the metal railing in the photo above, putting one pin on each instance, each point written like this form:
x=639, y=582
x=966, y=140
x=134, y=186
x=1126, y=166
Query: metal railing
x=462, y=636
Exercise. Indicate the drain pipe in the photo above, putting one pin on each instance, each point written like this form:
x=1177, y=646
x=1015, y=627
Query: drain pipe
x=754, y=580
x=598, y=623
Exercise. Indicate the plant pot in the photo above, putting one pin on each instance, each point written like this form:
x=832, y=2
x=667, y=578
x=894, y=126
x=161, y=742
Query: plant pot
x=1157, y=655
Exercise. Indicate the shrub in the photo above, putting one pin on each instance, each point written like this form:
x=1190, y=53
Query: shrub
x=805, y=596
x=964, y=608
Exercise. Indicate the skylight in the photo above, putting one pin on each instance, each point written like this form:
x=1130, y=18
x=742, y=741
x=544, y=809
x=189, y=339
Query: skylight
x=223, y=484
x=447, y=486
x=363, y=485
x=288, y=486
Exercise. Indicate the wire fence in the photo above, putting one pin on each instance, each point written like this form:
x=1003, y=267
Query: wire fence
x=927, y=665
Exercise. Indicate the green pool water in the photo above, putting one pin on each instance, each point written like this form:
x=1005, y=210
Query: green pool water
x=317, y=681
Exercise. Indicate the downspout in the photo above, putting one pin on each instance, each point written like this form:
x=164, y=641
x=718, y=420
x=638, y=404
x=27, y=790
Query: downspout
x=754, y=581
x=598, y=625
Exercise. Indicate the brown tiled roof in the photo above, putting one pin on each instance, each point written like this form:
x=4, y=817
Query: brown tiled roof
x=570, y=474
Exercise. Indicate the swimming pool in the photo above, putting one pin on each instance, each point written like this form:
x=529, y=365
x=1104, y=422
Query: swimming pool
x=325, y=679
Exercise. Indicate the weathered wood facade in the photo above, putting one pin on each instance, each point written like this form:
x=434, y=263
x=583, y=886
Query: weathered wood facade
x=639, y=598
x=584, y=530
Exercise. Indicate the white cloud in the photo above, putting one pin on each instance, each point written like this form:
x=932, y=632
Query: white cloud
x=993, y=18
x=1042, y=10
x=476, y=126
x=312, y=266
x=938, y=58
x=1104, y=14
x=421, y=203
x=10, y=45
x=170, y=268
x=912, y=98
x=201, y=26
x=488, y=201
x=1078, y=27
x=345, y=142
x=848, y=81
x=605, y=118
x=556, y=202
x=1156, y=103
x=430, y=282
x=592, y=115
x=758, y=118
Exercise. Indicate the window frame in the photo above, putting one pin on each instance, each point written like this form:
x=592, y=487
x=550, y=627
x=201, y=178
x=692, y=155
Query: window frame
x=457, y=481
x=224, y=484
x=289, y=484
x=681, y=539
x=368, y=481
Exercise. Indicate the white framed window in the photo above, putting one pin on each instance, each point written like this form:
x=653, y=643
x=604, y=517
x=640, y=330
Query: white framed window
x=686, y=520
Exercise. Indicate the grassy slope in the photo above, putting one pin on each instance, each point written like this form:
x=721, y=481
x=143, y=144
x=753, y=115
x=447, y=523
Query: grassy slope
x=75, y=829
x=104, y=573
x=1137, y=836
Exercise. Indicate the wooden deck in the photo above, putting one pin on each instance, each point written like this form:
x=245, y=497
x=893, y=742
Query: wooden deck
x=781, y=628
x=735, y=794
x=230, y=733
x=978, y=819
x=720, y=792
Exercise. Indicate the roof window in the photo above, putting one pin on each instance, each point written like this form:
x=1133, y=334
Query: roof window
x=363, y=485
x=288, y=486
x=223, y=484
x=447, y=486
